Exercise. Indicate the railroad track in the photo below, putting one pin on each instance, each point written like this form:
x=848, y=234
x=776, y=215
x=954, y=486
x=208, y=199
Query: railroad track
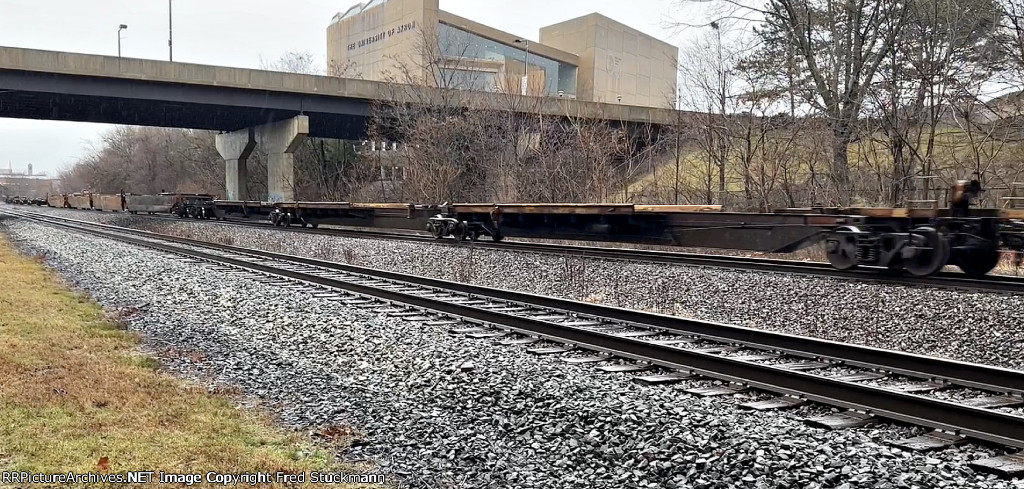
x=960, y=400
x=958, y=281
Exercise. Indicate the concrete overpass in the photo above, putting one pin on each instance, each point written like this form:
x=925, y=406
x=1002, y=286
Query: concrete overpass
x=249, y=106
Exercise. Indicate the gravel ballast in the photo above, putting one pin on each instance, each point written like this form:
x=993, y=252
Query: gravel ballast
x=968, y=326
x=516, y=420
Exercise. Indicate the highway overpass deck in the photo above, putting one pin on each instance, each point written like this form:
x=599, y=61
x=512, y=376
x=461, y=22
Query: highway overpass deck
x=54, y=85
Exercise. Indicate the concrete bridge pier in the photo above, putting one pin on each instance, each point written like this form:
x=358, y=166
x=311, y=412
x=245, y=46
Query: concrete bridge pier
x=280, y=140
x=235, y=147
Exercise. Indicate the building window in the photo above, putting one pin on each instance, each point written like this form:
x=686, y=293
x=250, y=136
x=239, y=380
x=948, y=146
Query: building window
x=473, y=62
x=469, y=79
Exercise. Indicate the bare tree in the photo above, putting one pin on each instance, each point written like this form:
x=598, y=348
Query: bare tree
x=707, y=68
x=469, y=133
x=295, y=62
x=148, y=160
x=829, y=52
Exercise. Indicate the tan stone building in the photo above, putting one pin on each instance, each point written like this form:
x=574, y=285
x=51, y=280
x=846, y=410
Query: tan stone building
x=591, y=58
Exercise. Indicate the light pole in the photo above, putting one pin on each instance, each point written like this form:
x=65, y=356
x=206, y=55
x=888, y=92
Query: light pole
x=526, y=65
x=721, y=68
x=679, y=132
x=119, y=29
x=723, y=148
x=170, y=35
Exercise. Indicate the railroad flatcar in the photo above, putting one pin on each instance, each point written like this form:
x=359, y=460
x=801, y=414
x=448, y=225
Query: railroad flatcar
x=917, y=241
x=56, y=200
x=247, y=209
x=180, y=204
x=384, y=215
x=150, y=204
x=197, y=206
x=108, y=202
x=80, y=200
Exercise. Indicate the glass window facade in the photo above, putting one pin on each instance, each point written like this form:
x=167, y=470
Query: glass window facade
x=465, y=79
x=484, y=64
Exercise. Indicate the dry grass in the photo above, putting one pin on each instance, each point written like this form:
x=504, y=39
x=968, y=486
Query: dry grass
x=73, y=390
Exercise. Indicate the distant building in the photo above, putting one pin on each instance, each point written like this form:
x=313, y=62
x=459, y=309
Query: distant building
x=25, y=184
x=591, y=58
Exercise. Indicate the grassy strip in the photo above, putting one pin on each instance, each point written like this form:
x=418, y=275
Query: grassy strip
x=73, y=390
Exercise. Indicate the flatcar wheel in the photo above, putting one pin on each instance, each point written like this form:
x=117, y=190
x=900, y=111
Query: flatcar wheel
x=314, y=225
x=931, y=253
x=979, y=261
x=497, y=236
x=841, y=248
x=436, y=230
x=461, y=230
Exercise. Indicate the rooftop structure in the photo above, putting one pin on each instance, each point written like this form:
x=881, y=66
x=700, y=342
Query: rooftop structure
x=27, y=173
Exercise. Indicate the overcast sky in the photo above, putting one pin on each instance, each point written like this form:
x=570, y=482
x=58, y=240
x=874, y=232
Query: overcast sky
x=236, y=33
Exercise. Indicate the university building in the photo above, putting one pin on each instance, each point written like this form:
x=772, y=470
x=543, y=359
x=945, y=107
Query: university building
x=590, y=58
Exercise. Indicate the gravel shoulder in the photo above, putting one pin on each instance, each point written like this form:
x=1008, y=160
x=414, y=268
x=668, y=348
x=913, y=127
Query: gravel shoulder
x=515, y=421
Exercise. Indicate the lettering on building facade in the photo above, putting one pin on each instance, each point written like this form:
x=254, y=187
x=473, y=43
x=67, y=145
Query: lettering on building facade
x=385, y=34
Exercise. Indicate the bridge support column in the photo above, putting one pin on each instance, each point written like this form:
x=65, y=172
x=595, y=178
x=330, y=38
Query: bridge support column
x=280, y=140
x=235, y=147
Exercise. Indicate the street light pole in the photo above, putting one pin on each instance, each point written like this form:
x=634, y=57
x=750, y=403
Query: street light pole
x=170, y=35
x=526, y=65
x=526, y=62
x=721, y=67
x=679, y=132
x=119, y=29
x=722, y=145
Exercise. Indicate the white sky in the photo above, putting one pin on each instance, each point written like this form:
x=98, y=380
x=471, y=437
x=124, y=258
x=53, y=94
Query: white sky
x=237, y=33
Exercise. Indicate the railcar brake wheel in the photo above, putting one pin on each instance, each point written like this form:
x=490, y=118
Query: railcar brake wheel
x=978, y=261
x=931, y=252
x=841, y=248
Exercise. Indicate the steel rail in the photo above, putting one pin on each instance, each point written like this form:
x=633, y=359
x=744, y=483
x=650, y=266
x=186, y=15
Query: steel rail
x=983, y=424
x=967, y=374
x=959, y=281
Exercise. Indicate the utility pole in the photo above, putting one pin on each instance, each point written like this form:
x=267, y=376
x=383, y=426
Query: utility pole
x=170, y=33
